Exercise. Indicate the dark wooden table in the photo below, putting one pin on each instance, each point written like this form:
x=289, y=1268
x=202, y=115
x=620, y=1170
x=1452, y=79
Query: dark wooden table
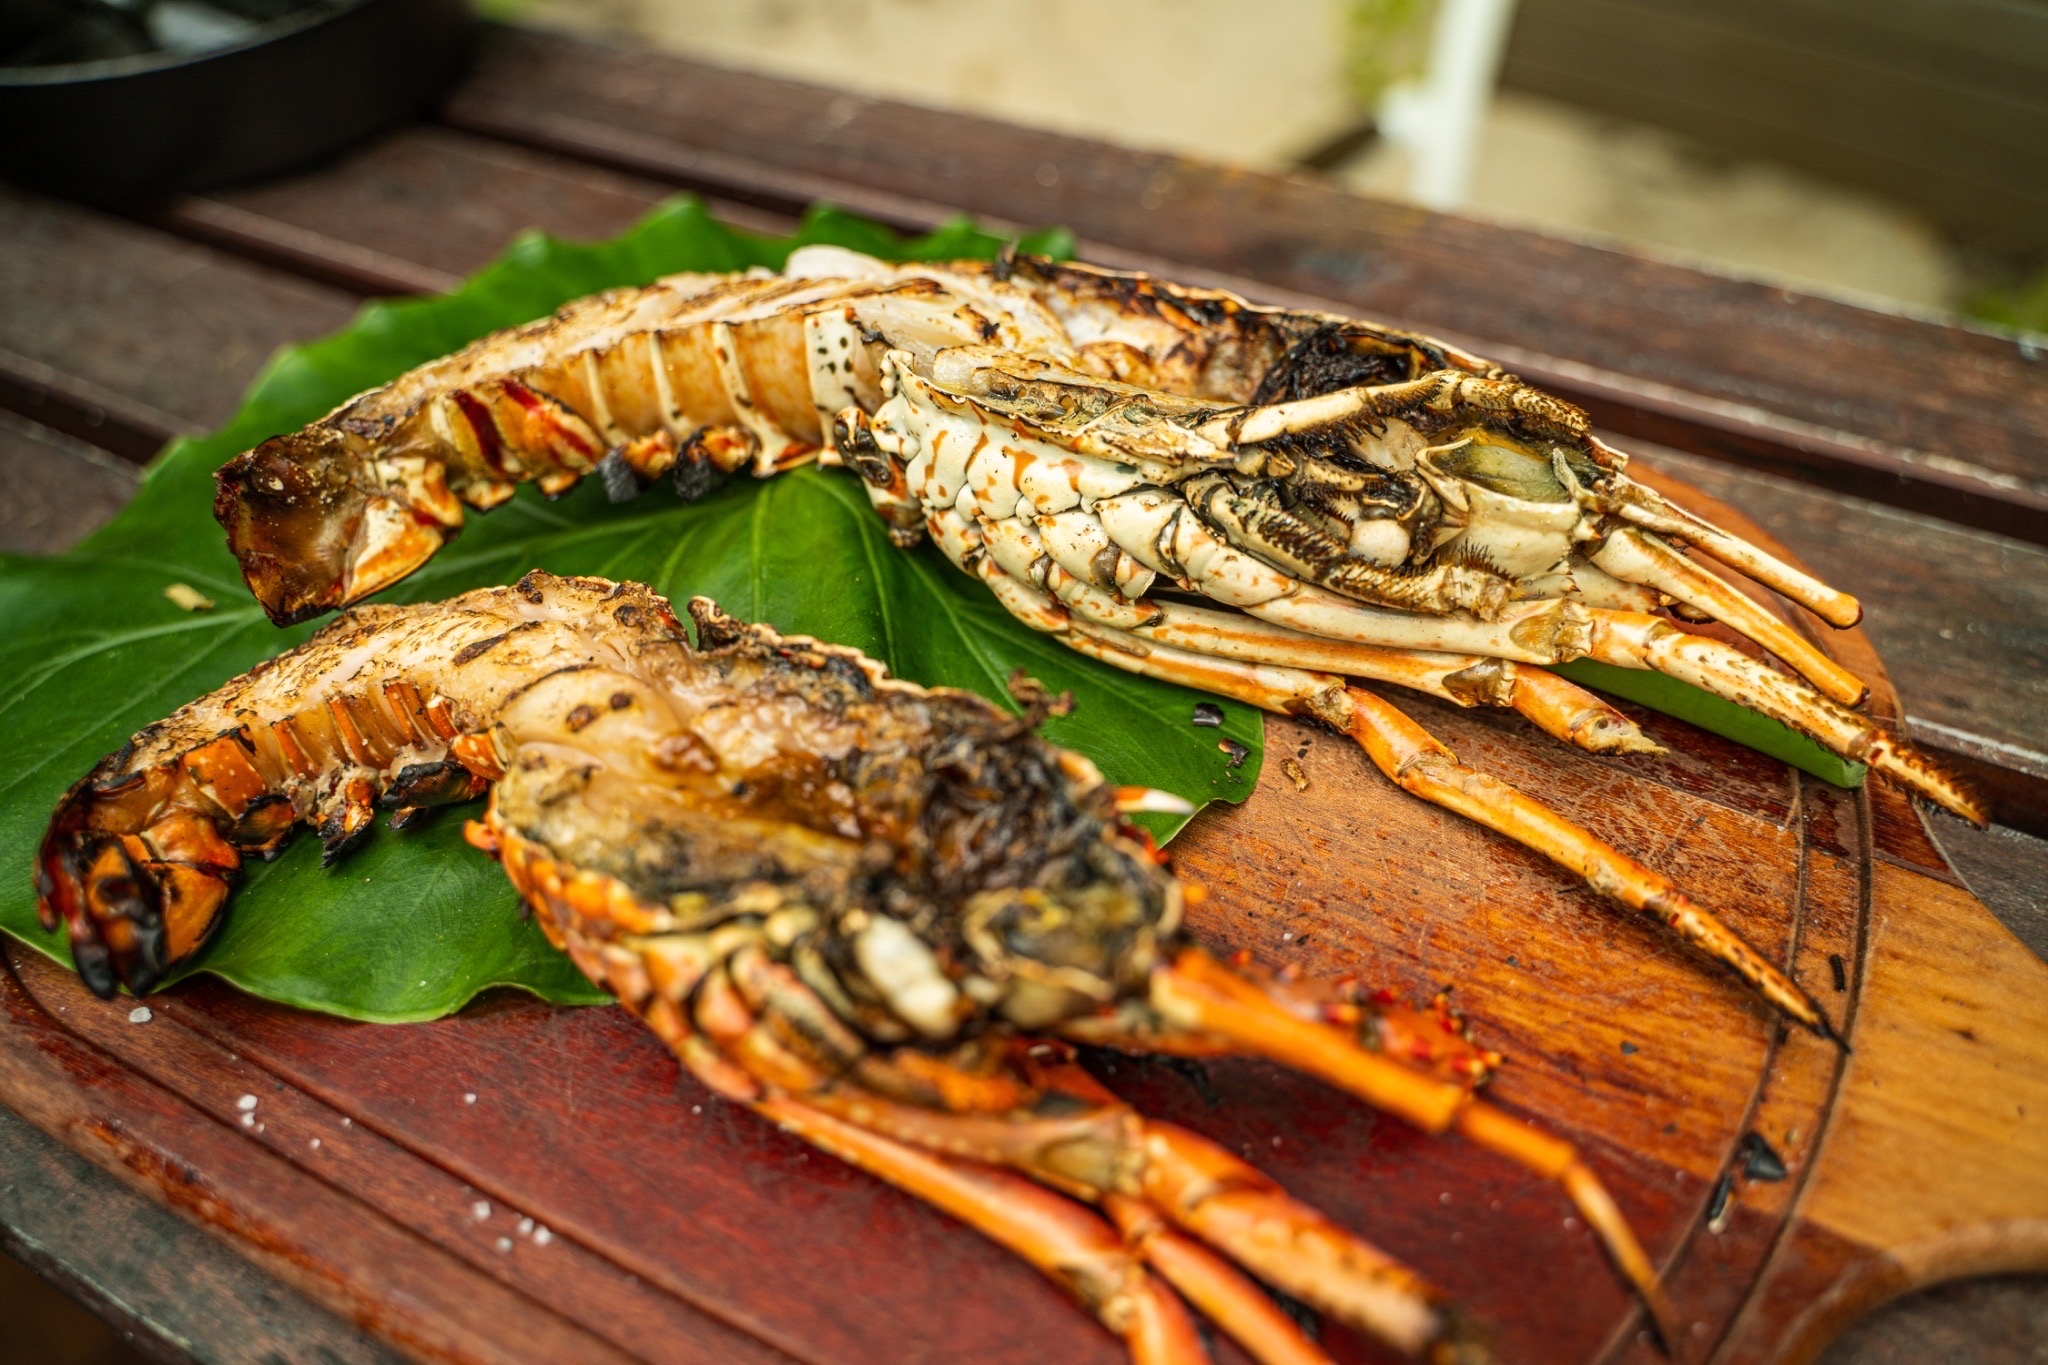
x=1902, y=457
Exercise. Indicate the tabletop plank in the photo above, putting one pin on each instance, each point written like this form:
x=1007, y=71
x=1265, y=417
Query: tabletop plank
x=176, y=327
x=177, y=1293
x=424, y=205
x=1939, y=413
x=57, y=489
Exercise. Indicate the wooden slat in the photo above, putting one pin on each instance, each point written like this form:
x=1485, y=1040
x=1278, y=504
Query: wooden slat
x=1935, y=416
x=416, y=211
x=71, y=406
x=1940, y=103
x=2007, y=870
x=155, y=1278
x=56, y=489
x=273, y=242
x=113, y=308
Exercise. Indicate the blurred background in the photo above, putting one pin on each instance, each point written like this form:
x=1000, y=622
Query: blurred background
x=1887, y=149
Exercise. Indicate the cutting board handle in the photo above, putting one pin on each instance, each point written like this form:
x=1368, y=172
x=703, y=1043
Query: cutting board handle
x=1934, y=1161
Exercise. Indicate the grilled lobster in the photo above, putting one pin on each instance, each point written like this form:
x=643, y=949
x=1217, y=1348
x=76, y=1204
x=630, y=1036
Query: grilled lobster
x=1354, y=503
x=879, y=915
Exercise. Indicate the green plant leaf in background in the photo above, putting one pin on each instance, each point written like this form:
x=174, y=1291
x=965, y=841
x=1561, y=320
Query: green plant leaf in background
x=413, y=925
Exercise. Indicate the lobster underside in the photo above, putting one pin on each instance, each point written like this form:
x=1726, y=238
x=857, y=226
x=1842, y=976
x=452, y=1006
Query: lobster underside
x=880, y=916
x=1266, y=504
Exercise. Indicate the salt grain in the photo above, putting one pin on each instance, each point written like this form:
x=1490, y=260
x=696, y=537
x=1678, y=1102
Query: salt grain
x=469, y=1097
x=525, y=1227
x=480, y=1210
x=315, y=1144
x=541, y=1237
x=140, y=1015
x=248, y=1120
x=246, y=1103
x=348, y=1123
x=504, y=1244
x=696, y=1108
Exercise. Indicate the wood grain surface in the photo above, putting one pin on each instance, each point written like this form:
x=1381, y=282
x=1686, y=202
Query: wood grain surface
x=678, y=1229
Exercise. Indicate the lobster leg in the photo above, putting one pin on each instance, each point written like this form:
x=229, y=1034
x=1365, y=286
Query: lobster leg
x=1074, y=1248
x=1422, y=766
x=1230, y=1204
x=1195, y=993
x=1652, y=511
x=740, y=1057
x=1211, y=1284
x=775, y=1028
x=1574, y=715
x=1557, y=707
x=1104, y=1149
x=1635, y=640
x=1551, y=632
x=1639, y=557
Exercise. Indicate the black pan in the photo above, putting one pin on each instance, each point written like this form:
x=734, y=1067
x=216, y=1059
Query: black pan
x=127, y=130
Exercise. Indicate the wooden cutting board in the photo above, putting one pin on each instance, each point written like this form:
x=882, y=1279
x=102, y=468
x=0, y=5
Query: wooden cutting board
x=528, y=1183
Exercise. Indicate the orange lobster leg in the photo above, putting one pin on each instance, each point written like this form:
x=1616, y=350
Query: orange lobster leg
x=1073, y=1247
x=1212, y=1284
x=1569, y=712
x=1237, y=1208
x=1420, y=764
x=1197, y=992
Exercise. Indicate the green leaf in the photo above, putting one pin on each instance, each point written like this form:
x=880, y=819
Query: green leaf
x=1716, y=714
x=413, y=925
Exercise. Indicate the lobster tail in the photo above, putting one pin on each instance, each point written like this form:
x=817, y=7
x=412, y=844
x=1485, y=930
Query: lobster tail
x=138, y=884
